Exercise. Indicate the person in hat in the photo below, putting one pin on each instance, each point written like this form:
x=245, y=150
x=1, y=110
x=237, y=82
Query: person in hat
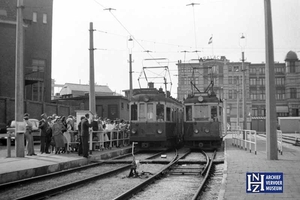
x=69, y=134
x=29, y=136
x=85, y=134
x=57, y=134
x=46, y=134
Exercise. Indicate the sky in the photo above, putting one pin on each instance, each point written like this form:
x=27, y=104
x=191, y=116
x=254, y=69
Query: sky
x=169, y=29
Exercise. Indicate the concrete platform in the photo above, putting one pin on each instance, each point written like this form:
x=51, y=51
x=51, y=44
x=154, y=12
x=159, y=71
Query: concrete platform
x=12, y=169
x=238, y=162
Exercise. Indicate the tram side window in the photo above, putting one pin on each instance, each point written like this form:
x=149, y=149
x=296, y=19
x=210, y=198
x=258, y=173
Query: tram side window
x=201, y=113
x=150, y=112
x=168, y=114
x=160, y=112
x=142, y=116
x=214, y=113
x=133, y=112
x=189, y=116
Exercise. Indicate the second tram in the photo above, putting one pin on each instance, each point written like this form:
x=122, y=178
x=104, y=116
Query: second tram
x=203, y=121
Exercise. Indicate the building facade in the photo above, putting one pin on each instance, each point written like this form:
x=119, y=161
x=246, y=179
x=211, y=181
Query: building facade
x=37, y=17
x=228, y=81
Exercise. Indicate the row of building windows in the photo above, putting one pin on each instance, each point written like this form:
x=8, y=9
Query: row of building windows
x=291, y=68
x=261, y=81
x=260, y=95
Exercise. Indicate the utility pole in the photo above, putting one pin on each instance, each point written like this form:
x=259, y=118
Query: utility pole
x=130, y=46
x=19, y=83
x=242, y=45
x=271, y=126
x=238, y=107
x=92, y=106
x=244, y=93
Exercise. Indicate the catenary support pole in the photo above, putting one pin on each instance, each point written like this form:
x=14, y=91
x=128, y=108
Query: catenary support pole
x=272, y=153
x=19, y=83
x=92, y=106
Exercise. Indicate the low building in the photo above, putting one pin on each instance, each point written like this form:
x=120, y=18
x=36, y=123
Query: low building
x=78, y=90
x=108, y=104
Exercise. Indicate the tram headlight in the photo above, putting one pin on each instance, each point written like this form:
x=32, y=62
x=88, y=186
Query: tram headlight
x=196, y=131
x=206, y=130
x=159, y=131
x=133, y=131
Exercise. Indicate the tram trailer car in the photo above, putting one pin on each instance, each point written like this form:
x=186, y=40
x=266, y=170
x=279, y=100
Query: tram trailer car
x=203, y=121
x=156, y=120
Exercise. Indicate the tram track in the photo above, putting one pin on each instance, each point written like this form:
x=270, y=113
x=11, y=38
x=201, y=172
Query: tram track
x=62, y=180
x=188, y=176
x=113, y=182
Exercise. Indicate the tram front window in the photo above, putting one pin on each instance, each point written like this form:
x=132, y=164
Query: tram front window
x=214, y=113
x=133, y=112
x=189, y=116
x=160, y=112
x=150, y=115
x=201, y=113
x=142, y=116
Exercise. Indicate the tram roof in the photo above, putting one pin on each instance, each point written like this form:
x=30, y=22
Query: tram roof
x=152, y=94
x=204, y=99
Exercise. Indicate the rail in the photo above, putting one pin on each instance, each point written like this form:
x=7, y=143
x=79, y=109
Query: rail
x=297, y=139
x=244, y=139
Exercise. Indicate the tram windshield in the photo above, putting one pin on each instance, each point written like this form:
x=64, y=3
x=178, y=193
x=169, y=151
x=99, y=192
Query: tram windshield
x=214, y=113
x=201, y=113
x=150, y=112
x=189, y=113
x=133, y=112
x=160, y=112
x=142, y=116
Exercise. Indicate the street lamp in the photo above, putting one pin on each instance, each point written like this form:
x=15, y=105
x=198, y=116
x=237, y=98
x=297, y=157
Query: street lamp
x=130, y=47
x=243, y=45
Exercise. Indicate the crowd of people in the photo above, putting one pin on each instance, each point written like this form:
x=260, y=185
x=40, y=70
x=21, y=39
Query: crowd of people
x=57, y=132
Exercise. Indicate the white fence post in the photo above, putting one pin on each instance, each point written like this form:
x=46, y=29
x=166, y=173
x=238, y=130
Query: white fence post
x=279, y=141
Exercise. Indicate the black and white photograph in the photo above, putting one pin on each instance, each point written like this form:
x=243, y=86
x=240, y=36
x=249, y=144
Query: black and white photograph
x=150, y=100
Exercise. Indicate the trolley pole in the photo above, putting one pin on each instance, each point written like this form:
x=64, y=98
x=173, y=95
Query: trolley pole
x=92, y=106
x=270, y=86
x=19, y=83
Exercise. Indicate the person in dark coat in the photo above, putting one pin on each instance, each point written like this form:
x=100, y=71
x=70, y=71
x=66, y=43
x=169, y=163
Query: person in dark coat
x=85, y=125
x=80, y=136
x=45, y=137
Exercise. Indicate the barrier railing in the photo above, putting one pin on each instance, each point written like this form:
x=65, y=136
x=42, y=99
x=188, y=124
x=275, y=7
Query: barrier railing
x=8, y=135
x=73, y=139
x=99, y=140
x=279, y=141
x=297, y=139
x=244, y=139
